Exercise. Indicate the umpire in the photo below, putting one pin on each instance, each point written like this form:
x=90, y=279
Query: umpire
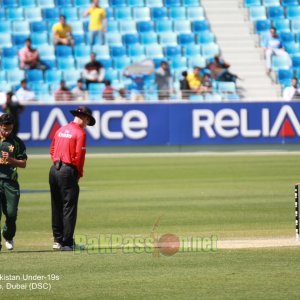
x=12, y=155
x=67, y=152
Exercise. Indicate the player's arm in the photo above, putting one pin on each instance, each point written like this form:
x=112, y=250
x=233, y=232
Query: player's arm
x=20, y=163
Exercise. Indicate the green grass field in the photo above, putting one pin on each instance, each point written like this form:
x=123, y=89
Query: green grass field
x=227, y=196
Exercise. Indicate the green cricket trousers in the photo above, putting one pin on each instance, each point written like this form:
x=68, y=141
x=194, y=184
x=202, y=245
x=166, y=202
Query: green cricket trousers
x=9, y=200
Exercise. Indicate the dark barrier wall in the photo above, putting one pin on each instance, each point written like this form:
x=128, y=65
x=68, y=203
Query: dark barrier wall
x=171, y=123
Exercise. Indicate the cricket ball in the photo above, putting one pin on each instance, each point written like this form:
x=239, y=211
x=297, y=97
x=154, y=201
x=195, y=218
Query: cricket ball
x=168, y=244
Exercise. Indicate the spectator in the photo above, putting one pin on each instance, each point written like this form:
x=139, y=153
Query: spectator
x=184, y=86
x=24, y=93
x=79, y=93
x=122, y=95
x=98, y=22
x=219, y=70
x=13, y=107
x=195, y=81
x=108, y=92
x=93, y=71
x=163, y=79
x=207, y=83
x=273, y=46
x=137, y=86
x=63, y=93
x=62, y=32
x=292, y=92
x=29, y=57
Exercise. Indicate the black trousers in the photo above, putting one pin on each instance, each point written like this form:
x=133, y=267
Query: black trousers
x=64, y=201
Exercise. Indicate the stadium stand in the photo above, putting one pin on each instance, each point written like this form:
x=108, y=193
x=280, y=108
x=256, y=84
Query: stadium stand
x=175, y=30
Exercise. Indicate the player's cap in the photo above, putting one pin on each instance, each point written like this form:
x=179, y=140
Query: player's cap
x=84, y=111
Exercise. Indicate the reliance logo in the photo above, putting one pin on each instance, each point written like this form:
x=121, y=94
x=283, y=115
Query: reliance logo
x=228, y=123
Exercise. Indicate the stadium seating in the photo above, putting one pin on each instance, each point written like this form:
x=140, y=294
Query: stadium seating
x=175, y=30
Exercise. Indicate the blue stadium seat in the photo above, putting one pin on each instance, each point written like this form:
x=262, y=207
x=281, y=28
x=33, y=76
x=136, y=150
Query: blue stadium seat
x=130, y=39
x=249, y=3
x=5, y=27
x=82, y=61
x=284, y=76
x=184, y=39
x=52, y=76
x=196, y=98
x=19, y=39
x=39, y=38
x=82, y=3
x=145, y=26
x=106, y=62
x=257, y=13
x=34, y=76
x=123, y=13
x=9, y=51
x=148, y=38
x=282, y=25
x=168, y=39
x=295, y=62
x=5, y=87
x=275, y=12
x=27, y=3
x=63, y=3
x=71, y=76
x=79, y=39
x=135, y=50
x=206, y=37
x=63, y=51
x=172, y=3
x=15, y=14
x=5, y=40
x=164, y=26
x=111, y=74
x=20, y=27
x=3, y=77
x=286, y=3
x=268, y=3
x=39, y=26
x=10, y=3
x=135, y=3
x=193, y=3
x=195, y=13
x=293, y=12
x=127, y=26
x=177, y=13
x=45, y=3
x=154, y=3
x=120, y=63
x=141, y=14
x=113, y=26
x=196, y=61
x=102, y=51
x=82, y=50
x=210, y=50
x=280, y=62
x=154, y=51
x=178, y=63
x=65, y=63
x=297, y=37
x=191, y=50
x=159, y=13
x=172, y=51
x=117, y=3
x=262, y=26
x=286, y=36
x=95, y=91
x=77, y=27
x=226, y=87
x=51, y=14
x=109, y=13
x=70, y=13
x=2, y=14
x=182, y=26
x=10, y=63
x=46, y=52
x=113, y=39
x=33, y=14
x=15, y=76
x=200, y=26
x=117, y=51
x=291, y=48
x=295, y=26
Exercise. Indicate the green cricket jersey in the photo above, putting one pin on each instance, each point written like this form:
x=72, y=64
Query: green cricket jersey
x=16, y=149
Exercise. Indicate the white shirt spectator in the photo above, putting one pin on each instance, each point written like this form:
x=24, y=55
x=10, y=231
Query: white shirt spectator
x=24, y=95
x=292, y=92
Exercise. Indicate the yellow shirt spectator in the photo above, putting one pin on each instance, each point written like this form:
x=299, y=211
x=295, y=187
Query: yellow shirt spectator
x=62, y=31
x=97, y=15
x=194, y=80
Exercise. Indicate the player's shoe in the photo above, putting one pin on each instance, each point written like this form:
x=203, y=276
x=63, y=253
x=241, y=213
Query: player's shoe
x=9, y=244
x=56, y=246
x=73, y=248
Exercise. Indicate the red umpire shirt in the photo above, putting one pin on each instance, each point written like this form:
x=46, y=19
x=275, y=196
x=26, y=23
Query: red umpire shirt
x=69, y=146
